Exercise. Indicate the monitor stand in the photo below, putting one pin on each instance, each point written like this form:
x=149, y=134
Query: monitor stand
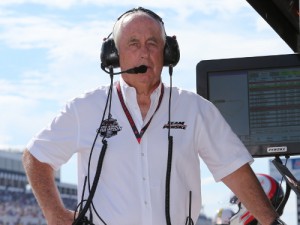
x=287, y=175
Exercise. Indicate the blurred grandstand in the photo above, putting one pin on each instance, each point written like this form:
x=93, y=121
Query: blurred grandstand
x=17, y=203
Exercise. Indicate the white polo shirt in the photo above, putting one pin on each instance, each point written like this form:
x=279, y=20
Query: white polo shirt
x=131, y=190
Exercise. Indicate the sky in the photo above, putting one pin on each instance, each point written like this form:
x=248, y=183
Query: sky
x=50, y=54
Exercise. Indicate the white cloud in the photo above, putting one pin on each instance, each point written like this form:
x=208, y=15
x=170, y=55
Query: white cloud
x=15, y=118
x=203, y=4
x=42, y=32
x=71, y=51
x=71, y=67
x=183, y=7
x=48, y=3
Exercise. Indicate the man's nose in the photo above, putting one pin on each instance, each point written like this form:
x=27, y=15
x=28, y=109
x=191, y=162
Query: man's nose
x=144, y=51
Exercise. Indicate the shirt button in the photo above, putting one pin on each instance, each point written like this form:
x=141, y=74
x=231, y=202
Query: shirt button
x=142, y=154
x=144, y=178
x=145, y=202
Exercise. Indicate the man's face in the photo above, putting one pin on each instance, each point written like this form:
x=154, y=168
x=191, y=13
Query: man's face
x=141, y=43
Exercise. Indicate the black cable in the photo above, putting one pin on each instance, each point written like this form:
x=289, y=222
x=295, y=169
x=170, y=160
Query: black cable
x=82, y=194
x=170, y=98
x=189, y=220
x=81, y=218
x=81, y=215
x=283, y=202
x=170, y=153
x=80, y=205
x=108, y=102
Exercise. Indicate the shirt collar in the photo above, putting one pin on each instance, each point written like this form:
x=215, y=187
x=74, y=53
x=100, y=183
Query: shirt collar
x=130, y=92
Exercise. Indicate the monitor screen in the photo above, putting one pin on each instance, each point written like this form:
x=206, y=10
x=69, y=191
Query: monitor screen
x=260, y=99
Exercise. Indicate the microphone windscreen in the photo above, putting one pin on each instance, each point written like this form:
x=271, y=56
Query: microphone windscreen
x=138, y=69
x=142, y=69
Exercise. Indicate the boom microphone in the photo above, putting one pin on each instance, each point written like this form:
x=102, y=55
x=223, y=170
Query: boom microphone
x=134, y=70
x=139, y=69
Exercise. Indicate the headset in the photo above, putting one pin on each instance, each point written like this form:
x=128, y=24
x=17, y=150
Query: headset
x=109, y=54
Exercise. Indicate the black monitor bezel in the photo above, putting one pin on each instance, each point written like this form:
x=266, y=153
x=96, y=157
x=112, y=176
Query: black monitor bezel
x=205, y=67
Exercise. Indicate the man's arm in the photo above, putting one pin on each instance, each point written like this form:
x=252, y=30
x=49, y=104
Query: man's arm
x=244, y=183
x=42, y=180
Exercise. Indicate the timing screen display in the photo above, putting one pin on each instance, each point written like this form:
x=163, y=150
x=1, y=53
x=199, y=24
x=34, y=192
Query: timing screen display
x=261, y=106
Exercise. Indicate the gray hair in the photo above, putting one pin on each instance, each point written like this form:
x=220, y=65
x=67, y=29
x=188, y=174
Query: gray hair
x=118, y=26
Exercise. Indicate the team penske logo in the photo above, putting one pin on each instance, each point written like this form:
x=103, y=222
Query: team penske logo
x=277, y=149
x=175, y=125
x=109, y=128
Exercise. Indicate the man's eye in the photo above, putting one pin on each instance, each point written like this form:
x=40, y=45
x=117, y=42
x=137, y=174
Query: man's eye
x=152, y=43
x=133, y=44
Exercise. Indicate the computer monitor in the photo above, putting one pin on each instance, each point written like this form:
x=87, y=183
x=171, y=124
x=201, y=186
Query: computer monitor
x=260, y=99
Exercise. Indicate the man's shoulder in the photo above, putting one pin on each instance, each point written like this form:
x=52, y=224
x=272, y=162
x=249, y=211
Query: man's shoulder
x=184, y=93
x=93, y=95
x=190, y=99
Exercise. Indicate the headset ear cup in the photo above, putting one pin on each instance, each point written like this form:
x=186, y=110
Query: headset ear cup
x=109, y=54
x=171, y=52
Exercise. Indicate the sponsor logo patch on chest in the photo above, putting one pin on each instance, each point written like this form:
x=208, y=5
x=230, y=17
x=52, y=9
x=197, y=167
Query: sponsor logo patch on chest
x=175, y=125
x=109, y=128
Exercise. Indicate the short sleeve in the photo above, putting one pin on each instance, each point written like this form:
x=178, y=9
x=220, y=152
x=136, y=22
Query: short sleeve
x=220, y=148
x=57, y=142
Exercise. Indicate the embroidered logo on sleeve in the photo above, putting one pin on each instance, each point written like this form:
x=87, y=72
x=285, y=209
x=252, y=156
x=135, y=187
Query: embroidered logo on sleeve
x=109, y=128
x=175, y=125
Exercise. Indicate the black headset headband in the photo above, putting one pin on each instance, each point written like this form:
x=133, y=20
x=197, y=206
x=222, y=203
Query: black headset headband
x=110, y=56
